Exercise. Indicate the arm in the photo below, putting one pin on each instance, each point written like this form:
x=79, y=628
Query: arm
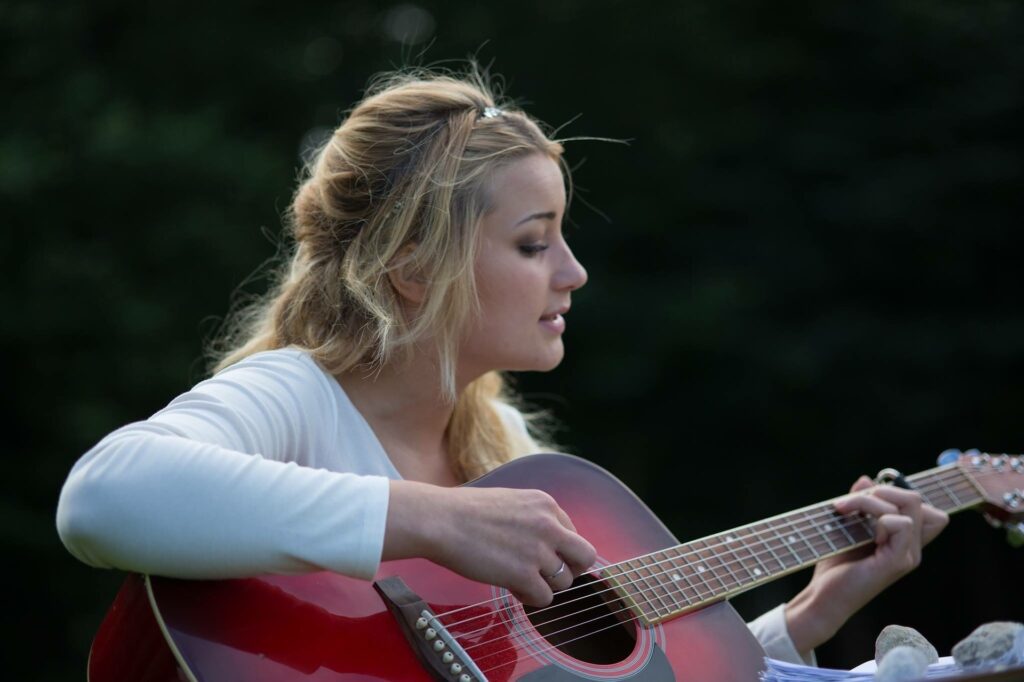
x=209, y=487
x=229, y=481
x=841, y=585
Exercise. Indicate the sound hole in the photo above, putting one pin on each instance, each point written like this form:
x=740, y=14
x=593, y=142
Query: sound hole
x=587, y=622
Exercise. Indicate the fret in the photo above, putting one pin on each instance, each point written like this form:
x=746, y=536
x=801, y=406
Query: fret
x=782, y=564
x=629, y=582
x=955, y=484
x=763, y=550
x=934, y=479
x=658, y=568
x=679, y=566
x=720, y=541
x=761, y=570
x=644, y=585
x=860, y=529
x=838, y=521
x=705, y=555
x=663, y=569
x=728, y=541
x=939, y=498
x=791, y=540
x=803, y=535
x=952, y=495
x=817, y=527
x=692, y=563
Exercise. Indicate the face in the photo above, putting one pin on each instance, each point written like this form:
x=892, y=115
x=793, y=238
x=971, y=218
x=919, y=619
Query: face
x=525, y=272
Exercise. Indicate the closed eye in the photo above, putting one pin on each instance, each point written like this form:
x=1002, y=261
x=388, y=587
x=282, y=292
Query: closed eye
x=533, y=249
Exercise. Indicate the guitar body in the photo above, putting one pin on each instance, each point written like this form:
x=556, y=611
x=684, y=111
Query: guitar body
x=329, y=628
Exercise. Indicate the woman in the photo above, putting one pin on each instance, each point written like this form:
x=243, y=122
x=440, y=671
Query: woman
x=428, y=259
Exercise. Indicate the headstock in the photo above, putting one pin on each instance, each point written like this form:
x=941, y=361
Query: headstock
x=999, y=479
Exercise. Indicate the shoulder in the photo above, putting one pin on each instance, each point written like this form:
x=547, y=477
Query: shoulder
x=269, y=399
x=285, y=372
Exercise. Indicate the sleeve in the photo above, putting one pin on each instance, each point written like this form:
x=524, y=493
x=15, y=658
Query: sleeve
x=770, y=630
x=209, y=486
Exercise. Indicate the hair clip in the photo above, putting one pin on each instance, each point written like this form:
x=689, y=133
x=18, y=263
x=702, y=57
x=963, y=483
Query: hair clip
x=492, y=112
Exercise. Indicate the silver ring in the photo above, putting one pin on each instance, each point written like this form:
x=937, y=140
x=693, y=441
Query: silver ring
x=561, y=569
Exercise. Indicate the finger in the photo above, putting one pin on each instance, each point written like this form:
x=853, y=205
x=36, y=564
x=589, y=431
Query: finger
x=901, y=497
x=908, y=502
x=534, y=591
x=560, y=577
x=933, y=521
x=865, y=504
x=897, y=534
x=579, y=554
x=564, y=519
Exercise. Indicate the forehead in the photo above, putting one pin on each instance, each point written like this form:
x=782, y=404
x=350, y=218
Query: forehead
x=532, y=183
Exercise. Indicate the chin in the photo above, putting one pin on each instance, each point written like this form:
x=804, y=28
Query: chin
x=547, y=364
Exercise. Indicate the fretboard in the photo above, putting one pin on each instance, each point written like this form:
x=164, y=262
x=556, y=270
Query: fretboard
x=673, y=581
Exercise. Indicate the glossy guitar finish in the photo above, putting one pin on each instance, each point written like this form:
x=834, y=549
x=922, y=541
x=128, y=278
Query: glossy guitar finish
x=328, y=628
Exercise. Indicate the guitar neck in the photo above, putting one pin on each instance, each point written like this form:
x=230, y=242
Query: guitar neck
x=683, y=578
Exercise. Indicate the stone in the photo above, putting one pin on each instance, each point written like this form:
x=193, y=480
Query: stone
x=893, y=636
x=997, y=644
x=902, y=663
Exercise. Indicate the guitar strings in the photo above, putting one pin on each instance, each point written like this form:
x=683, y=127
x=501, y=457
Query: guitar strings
x=544, y=641
x=736, y=583
x=551, y=646
x=514, y=619
x=798, y=525
x=947, y=491
x=763, y=552
x=939, y=484
x=758, y=539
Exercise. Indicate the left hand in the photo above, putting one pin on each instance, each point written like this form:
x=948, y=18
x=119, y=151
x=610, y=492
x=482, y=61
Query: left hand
x=842, y=584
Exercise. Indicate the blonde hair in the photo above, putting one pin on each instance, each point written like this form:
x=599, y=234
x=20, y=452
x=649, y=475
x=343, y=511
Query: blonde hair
x=402, y=183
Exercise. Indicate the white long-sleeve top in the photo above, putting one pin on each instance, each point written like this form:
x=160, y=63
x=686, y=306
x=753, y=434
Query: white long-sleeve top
x=266, y=467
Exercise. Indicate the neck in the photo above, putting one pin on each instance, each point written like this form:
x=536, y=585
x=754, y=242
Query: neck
x=404, y=407
x=673, y=581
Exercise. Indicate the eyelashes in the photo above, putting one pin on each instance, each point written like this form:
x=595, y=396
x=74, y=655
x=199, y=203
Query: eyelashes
x=533, y=249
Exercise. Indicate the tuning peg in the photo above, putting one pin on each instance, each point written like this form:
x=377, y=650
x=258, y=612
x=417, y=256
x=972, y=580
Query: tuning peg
x=1015, y=534
x=953, y=454
x=948, y=457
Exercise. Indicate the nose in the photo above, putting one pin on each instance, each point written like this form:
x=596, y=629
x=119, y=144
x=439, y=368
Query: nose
x=571, y=275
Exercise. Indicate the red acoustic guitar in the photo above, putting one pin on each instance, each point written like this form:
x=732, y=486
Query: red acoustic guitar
x=650, y=610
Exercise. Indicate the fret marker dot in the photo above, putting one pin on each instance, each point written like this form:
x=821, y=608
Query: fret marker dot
x=676, y=576
x=700, y=568
x=828, y=526
x=792, y=539
x=729, y=538
x=757, y=571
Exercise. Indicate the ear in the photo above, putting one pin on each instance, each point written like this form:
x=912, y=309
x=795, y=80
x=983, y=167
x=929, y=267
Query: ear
x=408, y=281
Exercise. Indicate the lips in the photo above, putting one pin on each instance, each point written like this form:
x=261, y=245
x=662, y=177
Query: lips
x=555, y=314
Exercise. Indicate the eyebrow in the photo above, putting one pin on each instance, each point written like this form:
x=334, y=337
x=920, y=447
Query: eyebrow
x=549, y=215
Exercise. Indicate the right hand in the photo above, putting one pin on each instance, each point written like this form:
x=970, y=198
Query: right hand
x=507, y=537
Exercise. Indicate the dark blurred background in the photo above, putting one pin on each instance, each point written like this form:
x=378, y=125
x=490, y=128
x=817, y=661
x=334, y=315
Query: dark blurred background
x=801, y=266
